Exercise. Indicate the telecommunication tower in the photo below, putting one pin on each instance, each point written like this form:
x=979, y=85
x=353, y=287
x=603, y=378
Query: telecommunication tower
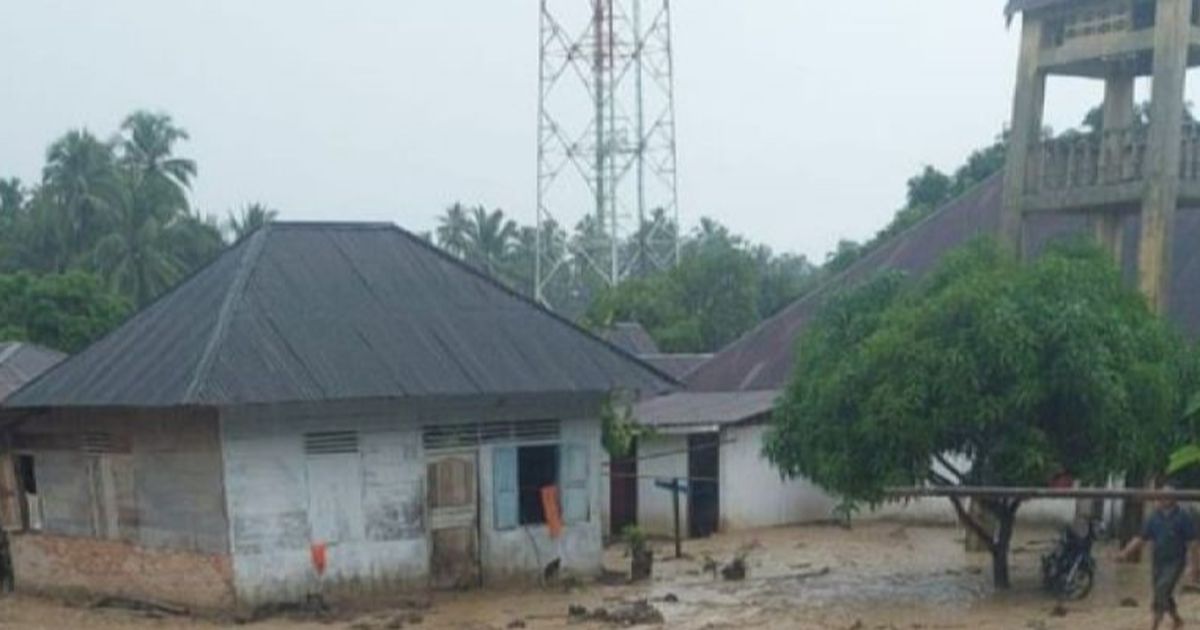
x=607, y=203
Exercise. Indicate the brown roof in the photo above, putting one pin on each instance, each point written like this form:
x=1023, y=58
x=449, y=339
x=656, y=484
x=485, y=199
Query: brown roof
x=762, y=359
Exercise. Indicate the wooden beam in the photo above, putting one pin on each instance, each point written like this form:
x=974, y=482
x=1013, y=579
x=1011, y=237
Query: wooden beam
x=990, y=492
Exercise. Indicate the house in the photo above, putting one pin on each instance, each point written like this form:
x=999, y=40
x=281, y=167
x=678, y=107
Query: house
x=717, y=423
x=22, y=362
x=622, y=504
x=332, y=409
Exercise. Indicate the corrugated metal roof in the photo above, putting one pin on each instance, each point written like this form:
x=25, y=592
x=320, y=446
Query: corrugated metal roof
x=763, y=358
x=704, y=408
x=677, y=365
x=22, y=362
x=631, y=337
x=334, y=311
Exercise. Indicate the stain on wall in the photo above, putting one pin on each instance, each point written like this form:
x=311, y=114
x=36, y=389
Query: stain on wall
x=63, y=565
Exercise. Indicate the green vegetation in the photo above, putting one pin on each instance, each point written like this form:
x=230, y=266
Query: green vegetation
x=108, y=228
x=988, y=372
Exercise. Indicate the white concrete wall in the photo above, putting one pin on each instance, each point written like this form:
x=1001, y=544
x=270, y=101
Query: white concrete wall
x=754, y=494
x=664, y=455
x=268, y=495
x=521, y=554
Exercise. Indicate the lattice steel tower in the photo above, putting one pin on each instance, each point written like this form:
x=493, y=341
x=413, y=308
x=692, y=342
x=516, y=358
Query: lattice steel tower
x=606, y=141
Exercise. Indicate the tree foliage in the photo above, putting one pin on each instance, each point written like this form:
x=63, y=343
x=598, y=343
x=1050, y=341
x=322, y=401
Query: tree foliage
x=988, y=372
x=62, y=311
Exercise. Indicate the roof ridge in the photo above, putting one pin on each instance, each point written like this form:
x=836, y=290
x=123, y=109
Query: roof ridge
x=12, y=349
x=233, y=295
x=833, y=281
x=471, y=269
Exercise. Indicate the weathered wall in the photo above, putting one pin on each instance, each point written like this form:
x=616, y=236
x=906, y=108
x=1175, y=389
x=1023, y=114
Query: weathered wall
x=61, y=565
x=381, y=540
x=145, y=497
x=519, y=555
x=665, y=456
x=753, y=494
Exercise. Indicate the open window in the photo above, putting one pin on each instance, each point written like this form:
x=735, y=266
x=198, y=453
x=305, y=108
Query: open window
x=537, y=467
x=520, y=472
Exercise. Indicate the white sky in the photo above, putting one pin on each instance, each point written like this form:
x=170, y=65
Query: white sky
x=798, y=120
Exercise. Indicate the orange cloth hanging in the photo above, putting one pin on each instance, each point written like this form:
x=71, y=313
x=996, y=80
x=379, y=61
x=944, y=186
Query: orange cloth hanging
x=318, y=557
x=550, y=510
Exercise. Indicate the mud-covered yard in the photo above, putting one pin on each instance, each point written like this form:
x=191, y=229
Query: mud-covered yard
x=880, y=575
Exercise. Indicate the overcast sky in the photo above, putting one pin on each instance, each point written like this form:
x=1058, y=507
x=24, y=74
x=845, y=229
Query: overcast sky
x=798, y=120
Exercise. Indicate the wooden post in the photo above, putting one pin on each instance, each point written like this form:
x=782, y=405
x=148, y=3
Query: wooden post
x=675, y=506
x=1028, y=104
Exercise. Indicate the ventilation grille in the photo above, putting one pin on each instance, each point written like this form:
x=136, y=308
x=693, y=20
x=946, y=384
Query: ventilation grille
x=331, y=442
x=449, y=436
x=97, y=443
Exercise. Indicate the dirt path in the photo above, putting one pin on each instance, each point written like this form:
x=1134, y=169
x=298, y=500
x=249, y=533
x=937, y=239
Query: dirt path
x=877, y=576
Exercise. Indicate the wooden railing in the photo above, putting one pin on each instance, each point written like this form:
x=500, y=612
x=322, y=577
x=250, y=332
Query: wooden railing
x=1091, y=160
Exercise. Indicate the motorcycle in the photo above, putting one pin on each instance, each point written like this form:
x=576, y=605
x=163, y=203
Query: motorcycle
x=1069, y=570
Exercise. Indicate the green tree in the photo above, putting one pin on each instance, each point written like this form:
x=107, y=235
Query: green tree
x=987, y=373
x=452, y=230
x=61, y=311
x=80, y=185
x=490, y=238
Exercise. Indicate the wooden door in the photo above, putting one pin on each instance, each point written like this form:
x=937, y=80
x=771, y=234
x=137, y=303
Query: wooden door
x=453, y=497
x=623, y=495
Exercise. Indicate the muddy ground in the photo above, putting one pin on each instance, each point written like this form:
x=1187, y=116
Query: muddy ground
x=875, y=576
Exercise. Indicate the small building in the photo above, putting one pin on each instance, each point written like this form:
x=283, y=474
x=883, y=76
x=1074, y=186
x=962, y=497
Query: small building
x=326, y=409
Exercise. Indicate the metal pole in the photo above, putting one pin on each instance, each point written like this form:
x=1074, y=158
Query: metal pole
x=1043, y=493
x=541, y=156
x=639, y=43
x=675, y=507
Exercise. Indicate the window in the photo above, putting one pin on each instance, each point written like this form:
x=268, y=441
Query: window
x=520, y=472
x=537, y=467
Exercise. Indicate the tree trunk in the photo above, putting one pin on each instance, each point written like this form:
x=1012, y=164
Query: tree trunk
x=975, y=542
x=1000, y=546
x=1132, y=514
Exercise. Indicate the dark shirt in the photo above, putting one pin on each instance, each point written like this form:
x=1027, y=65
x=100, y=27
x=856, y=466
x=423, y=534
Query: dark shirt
x=1171, y=530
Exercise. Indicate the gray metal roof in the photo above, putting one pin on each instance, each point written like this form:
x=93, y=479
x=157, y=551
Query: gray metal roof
x=335, y=311
x=631, y=337
x=703, y=409
x=677, y=365
x=23, y=362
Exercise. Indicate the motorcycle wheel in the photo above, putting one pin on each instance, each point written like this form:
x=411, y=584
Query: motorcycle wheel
x=1078, y=583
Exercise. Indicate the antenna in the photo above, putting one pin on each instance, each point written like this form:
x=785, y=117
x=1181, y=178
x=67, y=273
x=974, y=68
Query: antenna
x=607, y=198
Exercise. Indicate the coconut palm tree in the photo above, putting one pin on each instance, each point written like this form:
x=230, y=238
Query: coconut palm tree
x=80, y=184
x=490, y=238
x=452, y=230
x=147, y=143
x=251, y=217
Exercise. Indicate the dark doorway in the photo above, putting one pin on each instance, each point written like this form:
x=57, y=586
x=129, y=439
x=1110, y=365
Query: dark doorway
x=704, y=467
x=623, y=492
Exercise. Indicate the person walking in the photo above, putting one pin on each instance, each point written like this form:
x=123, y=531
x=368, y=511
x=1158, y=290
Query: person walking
x=1172, y=533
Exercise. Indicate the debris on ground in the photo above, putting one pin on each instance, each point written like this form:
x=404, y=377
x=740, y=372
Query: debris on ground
x=388, y=621
x=637, y=613
x=313, y=607
x=711, y=566
x=1058, y=611
x=516, y=623
x=1129, y=602
x=147, y=608
x=735, y=571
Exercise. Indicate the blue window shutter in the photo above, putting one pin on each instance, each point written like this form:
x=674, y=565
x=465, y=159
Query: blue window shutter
x=573, y=479
x=504, y=486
